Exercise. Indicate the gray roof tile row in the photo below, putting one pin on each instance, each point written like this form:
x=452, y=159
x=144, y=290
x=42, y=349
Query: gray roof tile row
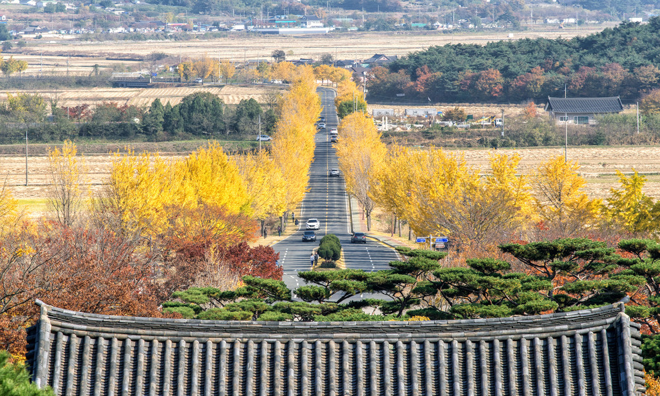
x=584, y=105
x=587, y=353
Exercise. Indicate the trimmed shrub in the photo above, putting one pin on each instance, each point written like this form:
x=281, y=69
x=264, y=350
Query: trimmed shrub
x=330, y=247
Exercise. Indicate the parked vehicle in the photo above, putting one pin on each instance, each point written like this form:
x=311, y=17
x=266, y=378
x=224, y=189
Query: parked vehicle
x=334, y=172
x=199, y=80
x=264, y=138
x=312, y=224
x=359, y=237
x=499, y=122
x=309, y=236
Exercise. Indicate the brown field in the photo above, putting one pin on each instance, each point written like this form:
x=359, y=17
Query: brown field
x=231, y=94
x=598, y=166
x=52, y=56
x=477, y=110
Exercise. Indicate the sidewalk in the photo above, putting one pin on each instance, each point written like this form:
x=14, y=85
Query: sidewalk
x=359, y=225
x=273, y=238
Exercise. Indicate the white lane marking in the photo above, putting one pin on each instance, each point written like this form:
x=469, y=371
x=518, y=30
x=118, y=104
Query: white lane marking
x=348, y=212
x=373, y=267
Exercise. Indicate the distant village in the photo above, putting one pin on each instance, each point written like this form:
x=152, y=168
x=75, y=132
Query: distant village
x=265, y=24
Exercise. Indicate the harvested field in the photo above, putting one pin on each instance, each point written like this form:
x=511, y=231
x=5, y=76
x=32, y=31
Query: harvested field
x=477, y=110
x=598, y=166
x=230, y=94
x=82, y=56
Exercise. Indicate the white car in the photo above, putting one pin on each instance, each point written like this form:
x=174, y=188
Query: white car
x=334, y=172
x=333, y=131
x=321, y=125
x=312, y=224
x=264, y=138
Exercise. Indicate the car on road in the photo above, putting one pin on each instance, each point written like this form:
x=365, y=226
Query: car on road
x=321, y=119
x=312, y=224
x=309, y=236
x=359, y=237
x=334, y=139
x=264, y=138
x=320, y=125
x=334, y=172
x=333, y=131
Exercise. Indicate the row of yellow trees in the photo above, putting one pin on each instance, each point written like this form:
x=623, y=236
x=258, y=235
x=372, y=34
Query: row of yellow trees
x=223, y=70
x=146, y=191
x=437, y=193
x=259, y=184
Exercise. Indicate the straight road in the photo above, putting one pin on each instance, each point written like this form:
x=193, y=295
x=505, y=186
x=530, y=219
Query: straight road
x=327, y=201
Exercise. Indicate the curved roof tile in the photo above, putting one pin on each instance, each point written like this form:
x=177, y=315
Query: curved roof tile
x=589, y=352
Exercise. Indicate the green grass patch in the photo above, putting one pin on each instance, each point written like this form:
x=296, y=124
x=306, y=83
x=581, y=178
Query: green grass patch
x=33, y=205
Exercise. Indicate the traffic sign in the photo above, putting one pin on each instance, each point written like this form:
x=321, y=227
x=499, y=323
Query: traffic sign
x=442, y=240
x=420, y=240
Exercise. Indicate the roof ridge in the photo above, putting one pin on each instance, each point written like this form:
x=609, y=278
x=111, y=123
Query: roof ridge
x=62, y=314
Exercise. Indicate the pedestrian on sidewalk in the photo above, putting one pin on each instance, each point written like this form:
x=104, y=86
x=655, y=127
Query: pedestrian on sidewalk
x=311, y=259
x=293, y=216
x=316, y=258
x=279, y=230
x=265, y=233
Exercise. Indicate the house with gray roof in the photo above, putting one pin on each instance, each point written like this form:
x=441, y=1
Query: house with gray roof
x=582, y=353
x=581, y=111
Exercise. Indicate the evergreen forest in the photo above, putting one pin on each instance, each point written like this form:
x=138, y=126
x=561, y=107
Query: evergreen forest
x=621, y=61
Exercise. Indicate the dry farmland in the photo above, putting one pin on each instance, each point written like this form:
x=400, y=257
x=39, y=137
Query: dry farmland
x=230, y=94
x=598, y=167
x=57, y=55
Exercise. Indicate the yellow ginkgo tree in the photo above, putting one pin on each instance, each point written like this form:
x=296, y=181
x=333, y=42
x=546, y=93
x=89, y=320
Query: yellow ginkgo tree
x=293, y=146
x=266, y=187
x=560, y=200
x=66, y=177
x=631, y=209
x=360, y=152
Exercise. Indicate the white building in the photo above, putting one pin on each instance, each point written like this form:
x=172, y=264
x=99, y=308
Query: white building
x=311, y=21
x=421, y=112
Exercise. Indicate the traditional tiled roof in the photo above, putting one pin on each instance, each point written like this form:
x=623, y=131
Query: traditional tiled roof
x=584, y=105
x=586, y=353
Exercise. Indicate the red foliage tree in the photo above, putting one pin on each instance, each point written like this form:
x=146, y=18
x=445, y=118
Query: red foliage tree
x=489, y=84
x=93, y=271
x=260, y=261
x=529, y=84
x=79, y=113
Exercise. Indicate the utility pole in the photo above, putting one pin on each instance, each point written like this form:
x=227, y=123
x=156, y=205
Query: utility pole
x=502, y=122
x=26, y=156
x=637, y=106
x=566, y=139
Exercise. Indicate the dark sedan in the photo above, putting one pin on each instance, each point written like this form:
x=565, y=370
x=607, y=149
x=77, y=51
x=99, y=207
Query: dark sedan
x=309, y=236
x=359, y=237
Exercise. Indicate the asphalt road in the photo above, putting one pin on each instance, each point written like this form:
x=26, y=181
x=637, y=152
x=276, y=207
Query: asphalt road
x=327, y=201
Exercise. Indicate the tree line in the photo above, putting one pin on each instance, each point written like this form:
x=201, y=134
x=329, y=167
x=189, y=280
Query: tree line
x=199, y=115
x=621, y=61
x=156, y=226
